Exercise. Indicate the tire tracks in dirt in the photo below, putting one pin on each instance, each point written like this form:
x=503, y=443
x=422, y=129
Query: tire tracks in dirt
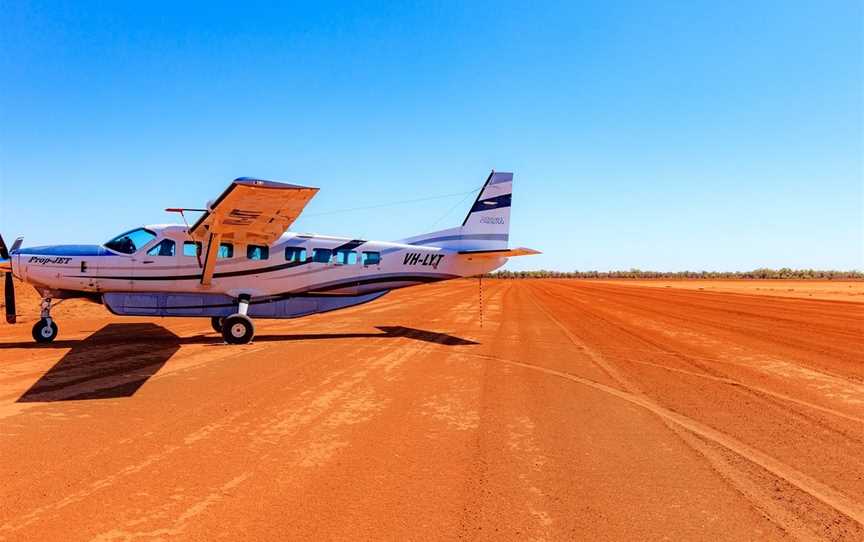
x=836, y=500
x=676, y=422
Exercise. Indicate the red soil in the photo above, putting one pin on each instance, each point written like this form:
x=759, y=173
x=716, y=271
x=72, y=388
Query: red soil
x=579, y=411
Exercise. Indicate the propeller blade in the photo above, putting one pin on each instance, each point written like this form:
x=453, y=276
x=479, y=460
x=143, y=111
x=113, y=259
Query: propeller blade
x=16, y=244
x=10, y=298
x=4, y=252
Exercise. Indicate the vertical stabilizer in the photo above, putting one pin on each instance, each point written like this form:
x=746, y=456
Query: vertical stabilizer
x=487, y=224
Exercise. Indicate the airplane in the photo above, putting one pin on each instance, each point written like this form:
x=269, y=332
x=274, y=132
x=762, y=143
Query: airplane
x=238, y=261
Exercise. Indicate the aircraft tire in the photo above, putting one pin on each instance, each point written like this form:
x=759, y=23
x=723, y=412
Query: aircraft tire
x=216, y=322
x=237, y=329
x=44, y=333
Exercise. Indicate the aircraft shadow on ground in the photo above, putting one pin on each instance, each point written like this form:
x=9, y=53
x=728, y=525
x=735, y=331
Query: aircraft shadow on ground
x=115, y=361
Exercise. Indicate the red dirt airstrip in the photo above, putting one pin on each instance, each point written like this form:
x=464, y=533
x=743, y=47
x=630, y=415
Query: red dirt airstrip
x=580, y=410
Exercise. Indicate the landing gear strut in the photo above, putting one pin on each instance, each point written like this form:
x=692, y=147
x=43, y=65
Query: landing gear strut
x=238, y=328
x=45, y=330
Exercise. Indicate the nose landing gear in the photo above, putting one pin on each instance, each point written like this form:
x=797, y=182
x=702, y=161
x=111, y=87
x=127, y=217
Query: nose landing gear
x=45, y=330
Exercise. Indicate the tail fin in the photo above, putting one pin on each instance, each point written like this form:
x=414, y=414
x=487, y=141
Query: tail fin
x=487, y=224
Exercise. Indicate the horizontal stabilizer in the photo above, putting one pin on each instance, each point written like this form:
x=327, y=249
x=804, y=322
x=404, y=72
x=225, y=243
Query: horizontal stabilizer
x=503, y=253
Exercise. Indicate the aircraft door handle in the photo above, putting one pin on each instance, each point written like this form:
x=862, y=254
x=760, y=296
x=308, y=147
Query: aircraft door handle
x=147, y=261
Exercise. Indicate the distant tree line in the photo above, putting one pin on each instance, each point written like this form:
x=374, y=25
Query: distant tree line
x=761, y=273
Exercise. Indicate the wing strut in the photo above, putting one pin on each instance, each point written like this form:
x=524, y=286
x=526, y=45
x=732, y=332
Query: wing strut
x=210, y=260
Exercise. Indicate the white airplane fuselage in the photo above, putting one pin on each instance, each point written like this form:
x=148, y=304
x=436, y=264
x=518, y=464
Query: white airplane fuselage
x=292, y=268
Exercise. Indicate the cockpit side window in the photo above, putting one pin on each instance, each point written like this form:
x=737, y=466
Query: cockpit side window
x=131, y=241
x=164, y=248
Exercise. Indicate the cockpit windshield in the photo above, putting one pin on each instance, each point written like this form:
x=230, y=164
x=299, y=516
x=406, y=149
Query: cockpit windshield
x=131, y=241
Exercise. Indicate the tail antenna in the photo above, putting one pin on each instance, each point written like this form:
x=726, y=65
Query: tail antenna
x=480, y=297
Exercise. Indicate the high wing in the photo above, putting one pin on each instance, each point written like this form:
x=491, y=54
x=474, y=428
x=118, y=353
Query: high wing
x=253, y=210
x=248, y=211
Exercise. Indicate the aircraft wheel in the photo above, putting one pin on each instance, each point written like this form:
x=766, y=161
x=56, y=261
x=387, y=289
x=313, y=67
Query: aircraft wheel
x=216, y=322
x=237, y=329
x=43, y=332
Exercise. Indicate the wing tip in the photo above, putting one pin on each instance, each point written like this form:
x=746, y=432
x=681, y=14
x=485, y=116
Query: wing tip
x=525, y=251
x=264, y=183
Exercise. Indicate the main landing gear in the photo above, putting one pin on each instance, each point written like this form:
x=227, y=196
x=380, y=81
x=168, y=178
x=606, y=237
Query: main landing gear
x=236, y=328
x=216, y=323
x=45, y=330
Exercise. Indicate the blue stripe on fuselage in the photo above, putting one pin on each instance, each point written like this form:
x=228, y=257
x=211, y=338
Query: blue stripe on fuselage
x=66, y=250
x=461, y=237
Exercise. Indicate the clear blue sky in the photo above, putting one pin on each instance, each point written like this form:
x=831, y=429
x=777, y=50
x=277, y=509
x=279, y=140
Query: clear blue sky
x=659, y=135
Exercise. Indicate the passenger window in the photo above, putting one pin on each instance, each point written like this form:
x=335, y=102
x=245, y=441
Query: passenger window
x=346, y=257
x=191, y=248
x=322, y=255
x=295, y=254
x=164, y=248
x=226, y=250
x=257, y=252
x=371, y=258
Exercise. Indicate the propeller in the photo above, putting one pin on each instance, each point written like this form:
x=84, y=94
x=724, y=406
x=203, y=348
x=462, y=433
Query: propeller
x=9, y=286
